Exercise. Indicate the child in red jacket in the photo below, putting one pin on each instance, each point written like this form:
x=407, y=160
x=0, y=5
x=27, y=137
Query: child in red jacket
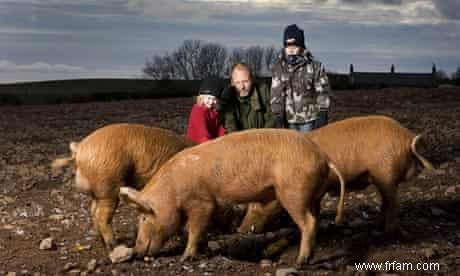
x=203, y=124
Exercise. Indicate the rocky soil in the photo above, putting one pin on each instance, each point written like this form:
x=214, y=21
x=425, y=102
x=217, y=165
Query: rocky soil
x=45, y=226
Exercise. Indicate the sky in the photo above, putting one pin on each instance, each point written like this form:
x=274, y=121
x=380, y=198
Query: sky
x=56, y=39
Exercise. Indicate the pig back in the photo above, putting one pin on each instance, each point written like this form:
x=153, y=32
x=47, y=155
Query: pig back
x=130, y=152
x=357, y=144
x=245, y=156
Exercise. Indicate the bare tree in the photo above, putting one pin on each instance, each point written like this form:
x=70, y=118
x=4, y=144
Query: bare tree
x=194, y=59
x=187, y=58
x=160, y=67
x=270, y=57
x=254, y=57
x=211, y=60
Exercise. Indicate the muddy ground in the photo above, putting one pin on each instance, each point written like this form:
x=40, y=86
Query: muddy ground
x=36, y=203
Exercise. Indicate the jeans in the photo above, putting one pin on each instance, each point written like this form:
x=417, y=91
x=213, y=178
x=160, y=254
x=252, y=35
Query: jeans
x=303, y=127
x=323, y=119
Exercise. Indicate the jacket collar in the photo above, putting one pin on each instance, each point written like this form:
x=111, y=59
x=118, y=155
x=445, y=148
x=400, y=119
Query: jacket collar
x=255, y=98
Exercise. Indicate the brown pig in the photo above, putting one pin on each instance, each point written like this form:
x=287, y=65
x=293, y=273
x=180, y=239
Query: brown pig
x=114, y=156
x=366, y=150
x=256, y=165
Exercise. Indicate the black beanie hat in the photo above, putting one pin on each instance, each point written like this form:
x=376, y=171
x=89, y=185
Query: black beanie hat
x=296, y=34
x=211, y=86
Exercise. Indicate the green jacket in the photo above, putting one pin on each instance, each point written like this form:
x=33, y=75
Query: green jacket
x=259, y=113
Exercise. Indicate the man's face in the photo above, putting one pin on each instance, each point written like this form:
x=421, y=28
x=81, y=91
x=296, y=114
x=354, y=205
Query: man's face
x=291, y=50
x=241, y=80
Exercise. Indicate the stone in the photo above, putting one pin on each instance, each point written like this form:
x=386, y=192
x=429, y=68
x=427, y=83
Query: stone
x=444, y=165
x=121, y=254
x=74, y=272
x=265, y=263
x=451, y=190
x=286, y=272
x=428, y=253
x=47, y=244
x=56, y=217
x=436, y=211
x=69, y=266
x=440, y=172
x=214, y=246
x=92, y=265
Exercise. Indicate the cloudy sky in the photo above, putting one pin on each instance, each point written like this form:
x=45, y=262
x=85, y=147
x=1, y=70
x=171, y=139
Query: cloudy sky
x=57, y=39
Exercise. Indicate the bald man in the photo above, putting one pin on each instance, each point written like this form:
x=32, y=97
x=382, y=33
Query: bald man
x=246, y=104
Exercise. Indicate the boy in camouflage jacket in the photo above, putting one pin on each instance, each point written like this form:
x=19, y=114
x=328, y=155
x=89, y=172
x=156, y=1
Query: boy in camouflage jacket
x=300, y=87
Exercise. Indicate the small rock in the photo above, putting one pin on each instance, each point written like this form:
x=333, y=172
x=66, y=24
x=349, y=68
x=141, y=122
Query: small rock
x=8, y=227
x=56, y=217
x=121, y=254
x=270, y=235
x=265, y=263
x=444, y=165
x=422, y=176
x=5, y=200
x=436, y=211
x=69, y=266
x=74, y=272
x=350, y=268
x=92, y=265
x=148, y=259
x=452, y=190
x=440, y=172
x=47, y=244
x=428, y=253
x=115, y=272
x=66, y=222
x=214, y=246
x=286, y=272
x=202, y=265
x=11, y=274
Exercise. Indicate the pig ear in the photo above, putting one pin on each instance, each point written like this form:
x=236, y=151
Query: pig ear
x=73, y=147
x=133, y=196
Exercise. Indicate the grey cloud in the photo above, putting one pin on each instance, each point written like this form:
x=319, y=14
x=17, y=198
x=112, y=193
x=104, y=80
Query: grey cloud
x=448, y=8
x=385, y=2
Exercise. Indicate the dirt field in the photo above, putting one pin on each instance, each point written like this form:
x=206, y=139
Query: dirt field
x=36, y=204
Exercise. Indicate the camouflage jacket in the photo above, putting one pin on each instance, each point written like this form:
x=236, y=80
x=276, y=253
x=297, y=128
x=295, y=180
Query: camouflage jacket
x=298, y=92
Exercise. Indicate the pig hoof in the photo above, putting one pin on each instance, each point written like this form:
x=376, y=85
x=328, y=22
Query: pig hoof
x=110, y=245
x=186, y=258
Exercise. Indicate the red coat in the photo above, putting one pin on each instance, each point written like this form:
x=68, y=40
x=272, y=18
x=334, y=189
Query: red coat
x=203, y=124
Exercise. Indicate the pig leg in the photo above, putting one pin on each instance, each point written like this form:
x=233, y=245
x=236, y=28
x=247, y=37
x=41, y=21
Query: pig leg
x=390, y=208
x=308, y=234
x=258, y=215
x=296, y=204
x=198, y=219
x=102, y=212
